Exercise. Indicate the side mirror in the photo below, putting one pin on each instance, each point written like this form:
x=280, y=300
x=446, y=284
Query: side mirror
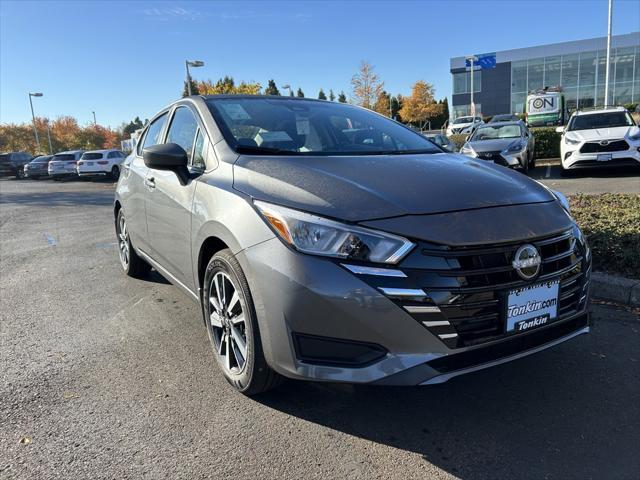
x=168, y=156
x=560, y=129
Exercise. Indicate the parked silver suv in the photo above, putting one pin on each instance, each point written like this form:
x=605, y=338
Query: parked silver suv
x=326, y=242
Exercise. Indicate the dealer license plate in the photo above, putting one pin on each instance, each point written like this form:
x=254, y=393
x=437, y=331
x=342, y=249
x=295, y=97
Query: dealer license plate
x=604, y=157
x=89, y=164
x=532, y=306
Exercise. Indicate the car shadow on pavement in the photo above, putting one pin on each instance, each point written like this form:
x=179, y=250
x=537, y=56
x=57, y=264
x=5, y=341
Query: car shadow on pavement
x=562, y=413
x=58, y=198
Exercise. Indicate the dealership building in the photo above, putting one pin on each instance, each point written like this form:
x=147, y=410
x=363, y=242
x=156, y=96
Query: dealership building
x=502, y=79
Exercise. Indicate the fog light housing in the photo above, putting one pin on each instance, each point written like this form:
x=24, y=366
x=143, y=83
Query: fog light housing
x=319, y=350
x=567, y=155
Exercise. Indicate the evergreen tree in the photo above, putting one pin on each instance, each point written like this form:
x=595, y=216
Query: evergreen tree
x=271, y=89
x=321, y=95
x=332, y=97
x=342, y=98
x=194, y=88
x=300, y=93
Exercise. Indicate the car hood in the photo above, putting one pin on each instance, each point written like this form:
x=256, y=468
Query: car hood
x=496, y=145
x=602, y=133
x=358, y=188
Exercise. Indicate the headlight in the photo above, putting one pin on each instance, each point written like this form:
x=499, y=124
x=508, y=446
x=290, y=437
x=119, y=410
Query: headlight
x=570, y=141
x=635, y=137
x=315, y=235
x=516, y=147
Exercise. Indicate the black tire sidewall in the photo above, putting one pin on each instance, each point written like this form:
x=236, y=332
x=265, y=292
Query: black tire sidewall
x=222, y=262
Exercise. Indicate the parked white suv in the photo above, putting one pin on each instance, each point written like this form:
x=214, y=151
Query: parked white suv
x=63, y=164
x=463, y=125
x=604, y=137
x=101, y=162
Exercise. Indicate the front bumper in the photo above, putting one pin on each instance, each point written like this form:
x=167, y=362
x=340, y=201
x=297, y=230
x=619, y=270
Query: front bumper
x=298, y=295
x=513, y=160
x=573, y=158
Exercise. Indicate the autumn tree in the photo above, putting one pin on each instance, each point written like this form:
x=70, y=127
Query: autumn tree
x=366, y=85
x=321, y=95
x=332, y=96
x=383, y=105
x=420, y=106
x=271, y=89
x=300, y=93
x=227, y=86
x=342, y=98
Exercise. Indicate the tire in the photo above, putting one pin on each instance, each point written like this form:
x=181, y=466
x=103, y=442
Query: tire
x=115, y=172
x=20, y=173
x=532, y=161
x=230, y=317
x=131, y=263
x=564, y=172
x=525, y=167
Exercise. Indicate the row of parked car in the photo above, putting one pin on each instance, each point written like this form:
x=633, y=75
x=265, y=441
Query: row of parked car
x=72, y=163
x=599, y=137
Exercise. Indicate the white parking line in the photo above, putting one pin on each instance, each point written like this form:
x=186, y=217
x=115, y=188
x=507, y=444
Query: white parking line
x=548, y=174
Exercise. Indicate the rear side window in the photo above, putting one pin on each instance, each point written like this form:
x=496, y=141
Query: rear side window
x=113, y=155
x=154, y=131
x=92, y=156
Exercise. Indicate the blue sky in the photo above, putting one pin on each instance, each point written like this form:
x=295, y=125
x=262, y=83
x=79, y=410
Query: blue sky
x=124, y=59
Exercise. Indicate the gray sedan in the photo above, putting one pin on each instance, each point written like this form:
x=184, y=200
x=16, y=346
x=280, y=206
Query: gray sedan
x=509, y=144
x=326, y=242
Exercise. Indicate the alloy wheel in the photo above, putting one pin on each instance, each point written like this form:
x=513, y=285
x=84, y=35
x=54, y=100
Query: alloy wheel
x=227, y=322
x=123, y=242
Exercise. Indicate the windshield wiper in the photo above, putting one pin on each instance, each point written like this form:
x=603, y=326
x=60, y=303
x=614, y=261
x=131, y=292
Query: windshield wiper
x=264, y=150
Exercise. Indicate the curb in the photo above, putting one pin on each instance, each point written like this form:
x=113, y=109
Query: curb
x=615, y=289
x=543, y=162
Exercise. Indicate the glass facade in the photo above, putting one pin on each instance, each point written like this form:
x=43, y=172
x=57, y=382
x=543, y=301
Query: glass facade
x=582, y=76
x=462, y=82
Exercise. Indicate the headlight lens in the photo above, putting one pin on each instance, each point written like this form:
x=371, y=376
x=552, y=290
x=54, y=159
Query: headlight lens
x=320, y=236
x=635, y=137
x=516, y=147
x=570, y=141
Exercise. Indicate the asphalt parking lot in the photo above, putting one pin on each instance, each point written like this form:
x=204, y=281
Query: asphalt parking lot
x=104, y=376
x=625, y=180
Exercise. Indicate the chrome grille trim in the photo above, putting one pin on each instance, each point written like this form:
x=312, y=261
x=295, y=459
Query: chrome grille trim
x=422, y=309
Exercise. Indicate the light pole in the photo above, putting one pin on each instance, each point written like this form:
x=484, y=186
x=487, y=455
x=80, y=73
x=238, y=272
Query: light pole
x=287, y=86
x=472, y=108
x=94, y=118
x=33, y=117
x=606, y=75
x=49, y=137
x=191, y=63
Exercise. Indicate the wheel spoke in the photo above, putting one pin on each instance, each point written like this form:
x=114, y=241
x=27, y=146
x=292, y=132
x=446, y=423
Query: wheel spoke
x=223, y=339
x=228, y=348
x=232, y=303
x=239, y=341
x=238, y=319
x=215, y=319
x=215, y=303
x=219, y=295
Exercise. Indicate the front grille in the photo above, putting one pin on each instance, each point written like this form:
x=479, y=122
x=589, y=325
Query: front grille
x=493, y=156
x=598, y=147
x=466, y=288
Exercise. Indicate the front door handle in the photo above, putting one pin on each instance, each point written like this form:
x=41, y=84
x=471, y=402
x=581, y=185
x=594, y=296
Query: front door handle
x=150, y=182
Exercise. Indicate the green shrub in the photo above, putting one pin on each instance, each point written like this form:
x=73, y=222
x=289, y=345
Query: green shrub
x=547, y=142
x=611, y=223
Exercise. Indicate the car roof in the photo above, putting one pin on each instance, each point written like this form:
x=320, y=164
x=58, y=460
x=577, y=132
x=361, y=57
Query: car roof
x=270, y=97
x=599, y=110
x=103, y=151
x=66, y=152
x=499, y=124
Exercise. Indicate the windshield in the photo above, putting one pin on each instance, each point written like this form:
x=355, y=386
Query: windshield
x=305, y=127
x=64, y=156
x=601, y=120
x=91, y=156
x=463, y=120
x=496, y=132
